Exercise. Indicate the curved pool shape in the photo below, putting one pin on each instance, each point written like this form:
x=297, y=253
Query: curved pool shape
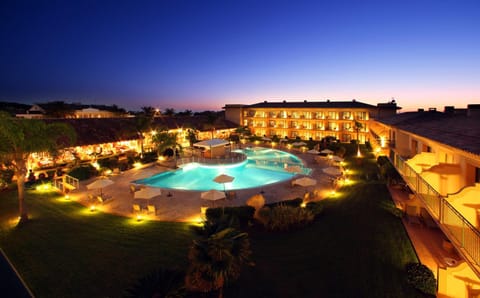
x=263, y=166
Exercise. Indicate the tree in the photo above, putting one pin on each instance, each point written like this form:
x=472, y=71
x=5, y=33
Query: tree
x=358, y=126
x=142, y=124
x=165, y=140
x=217, y=259
x=192, y=136
x=169, y=112
x=149, y=111
x=21, y=137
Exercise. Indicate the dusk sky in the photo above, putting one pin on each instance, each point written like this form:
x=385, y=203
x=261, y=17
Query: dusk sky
x=202, y=55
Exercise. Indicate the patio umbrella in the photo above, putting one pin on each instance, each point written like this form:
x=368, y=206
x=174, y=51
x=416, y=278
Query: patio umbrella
x=326, y=151
x=213, y=195
x=332, y=171
x=100, y=184
x=305, y=181
x=147, y=193
x=293, y=169
x=266, y=139
x=298, y=144
x=222, y=179
x=313, y=151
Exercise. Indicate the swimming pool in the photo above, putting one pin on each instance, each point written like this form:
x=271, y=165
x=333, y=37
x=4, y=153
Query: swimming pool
x=262, y=166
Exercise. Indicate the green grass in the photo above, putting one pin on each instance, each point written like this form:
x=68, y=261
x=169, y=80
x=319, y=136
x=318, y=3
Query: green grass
x=356, y=248
x=66, y=251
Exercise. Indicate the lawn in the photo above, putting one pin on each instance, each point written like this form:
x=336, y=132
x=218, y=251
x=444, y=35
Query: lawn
x=356, y=248
x=67, y=251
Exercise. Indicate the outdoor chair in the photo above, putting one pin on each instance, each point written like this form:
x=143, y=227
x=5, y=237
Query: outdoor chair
x=231, y=195
x=137, y=208
x=152, y=209
x=133, y=189
x=412, y=215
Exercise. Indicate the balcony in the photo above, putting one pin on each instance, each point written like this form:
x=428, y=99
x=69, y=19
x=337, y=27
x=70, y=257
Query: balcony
x=460, y=231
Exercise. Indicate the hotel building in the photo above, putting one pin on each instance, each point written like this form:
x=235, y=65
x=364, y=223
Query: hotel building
x=438, y=156
x=343, y=120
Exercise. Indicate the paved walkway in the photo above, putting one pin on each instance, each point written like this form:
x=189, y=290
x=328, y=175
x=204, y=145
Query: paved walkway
x=184, y=205
x=429, y=242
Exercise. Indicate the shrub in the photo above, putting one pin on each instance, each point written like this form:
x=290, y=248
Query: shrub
x=83, y=172
x=243, y=214
x=6, y=176
x=421, y=277
x=285, y=218
x=149, y=157
x=293, y=203
x=163, y=282
x=316, y=207
x=109, y=163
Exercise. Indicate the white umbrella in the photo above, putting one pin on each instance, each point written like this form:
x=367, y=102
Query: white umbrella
x=266, y=139
x=147, y=193
x=293, y=169
x=313, y=151
x=212, y=195
x=222, y=179
x=100, y=184
x=337, y=158
x=305, y=181
x=298, y=144
x=326, y=151
x=332, y=171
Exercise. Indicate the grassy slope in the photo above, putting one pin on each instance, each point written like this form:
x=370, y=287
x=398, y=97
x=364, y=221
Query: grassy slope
x=355, y=249
x=67, y=252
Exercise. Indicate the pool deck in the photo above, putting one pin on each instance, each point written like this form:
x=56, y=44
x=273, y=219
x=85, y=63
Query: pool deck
x=184, y=205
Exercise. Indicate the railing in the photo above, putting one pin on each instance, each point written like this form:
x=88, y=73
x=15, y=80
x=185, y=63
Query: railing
x=233, y=157
x=457, y=228
x=66, y=182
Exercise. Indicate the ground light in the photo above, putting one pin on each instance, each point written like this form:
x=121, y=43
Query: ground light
x=93, y=208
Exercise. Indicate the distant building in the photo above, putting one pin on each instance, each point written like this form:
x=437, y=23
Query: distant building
x=343, y=120
x=34, y=112
x=94, y=113
x=438, y=156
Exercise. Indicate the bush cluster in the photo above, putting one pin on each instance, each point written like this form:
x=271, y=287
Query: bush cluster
x=293, y=203
x=284, y=217
x=316, y=207
x=421, y=277
x=244, y=214
x=83, y=172
x=149, y=157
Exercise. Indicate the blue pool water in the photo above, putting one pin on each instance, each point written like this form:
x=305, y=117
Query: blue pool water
x=263, y=166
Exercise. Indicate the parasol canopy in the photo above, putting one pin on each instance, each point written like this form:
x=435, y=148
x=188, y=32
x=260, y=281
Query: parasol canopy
x=147, y=193
x=305, y=181
x=332, y=171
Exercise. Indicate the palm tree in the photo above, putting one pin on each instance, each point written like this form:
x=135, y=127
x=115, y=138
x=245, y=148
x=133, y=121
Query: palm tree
x=358, y=126
x=217, y=258
x=142, y=124
x=165, y=140
x=169, y=112
x=192, y=136
x=164, y=282
x=21, y=137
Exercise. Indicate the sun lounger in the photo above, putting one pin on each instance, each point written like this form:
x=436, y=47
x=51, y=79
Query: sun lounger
x=136, y=208
x=152, y=209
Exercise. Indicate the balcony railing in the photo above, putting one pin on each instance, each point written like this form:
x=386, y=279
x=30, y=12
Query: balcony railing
x=457, y=228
